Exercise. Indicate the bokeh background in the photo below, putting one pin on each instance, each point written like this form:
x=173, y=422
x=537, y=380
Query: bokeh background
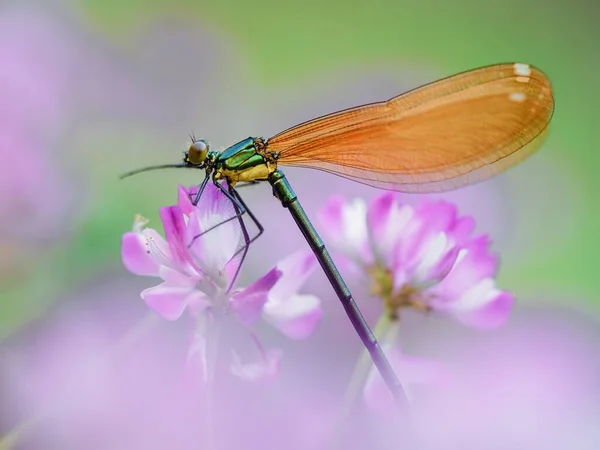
x=90, y=89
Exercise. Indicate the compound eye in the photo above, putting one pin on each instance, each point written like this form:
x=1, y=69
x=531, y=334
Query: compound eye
x=197, y=152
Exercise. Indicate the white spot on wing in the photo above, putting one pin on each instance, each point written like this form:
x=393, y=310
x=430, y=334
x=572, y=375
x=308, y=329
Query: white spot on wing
x=522, y=69
x=517, y=97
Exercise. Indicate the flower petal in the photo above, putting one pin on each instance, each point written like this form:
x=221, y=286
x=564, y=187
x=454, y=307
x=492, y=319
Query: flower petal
x=379, y=212
x=295, y=269
x=168, y=301
x=232, y=267
x=386, y=219
x=213, y=203
x=345, y=227
x=429, y=220
x=214, y=249
x=135, y=256
x=197, y=302
x=248, y=303
x=418, y=256
x=436, y=262
x=175, y=232
x=213, y=209
x=431, y=253
x=474, y=263
x=482, y=306
x=183, y=200
x=437, y=215
x=409, y=244
x=296, y=317
x=462, y=229
x=158, y=248
x=176, y=278
x=330, y=218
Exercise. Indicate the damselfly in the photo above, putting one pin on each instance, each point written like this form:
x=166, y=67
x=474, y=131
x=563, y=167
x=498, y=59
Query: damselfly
x=444, y=135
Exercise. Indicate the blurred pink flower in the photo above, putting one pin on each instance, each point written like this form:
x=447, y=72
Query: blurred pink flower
x=198, y=269
x=422, y=257
x=293, y=314
x=91, y=378
x=532, y=383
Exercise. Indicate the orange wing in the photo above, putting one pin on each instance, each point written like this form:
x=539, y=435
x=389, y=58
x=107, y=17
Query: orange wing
x=456, y=131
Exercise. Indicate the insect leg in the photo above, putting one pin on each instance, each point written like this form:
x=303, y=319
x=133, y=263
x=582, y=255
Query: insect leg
x=240, y=209
x=200, y=191
x=247, y=240
x=261, y=229
x=239, y=212
x=240, y=206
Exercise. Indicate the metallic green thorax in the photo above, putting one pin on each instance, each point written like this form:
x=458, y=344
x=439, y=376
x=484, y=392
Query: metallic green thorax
x=245, y=161
x=243, y=149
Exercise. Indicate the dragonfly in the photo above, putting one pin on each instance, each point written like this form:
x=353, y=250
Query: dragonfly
x=442, y=136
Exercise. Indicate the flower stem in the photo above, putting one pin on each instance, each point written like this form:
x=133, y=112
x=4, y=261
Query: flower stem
x=384, y=331
x=11, y=439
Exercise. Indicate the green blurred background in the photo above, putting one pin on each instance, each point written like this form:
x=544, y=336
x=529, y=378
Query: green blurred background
x=138, y=76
